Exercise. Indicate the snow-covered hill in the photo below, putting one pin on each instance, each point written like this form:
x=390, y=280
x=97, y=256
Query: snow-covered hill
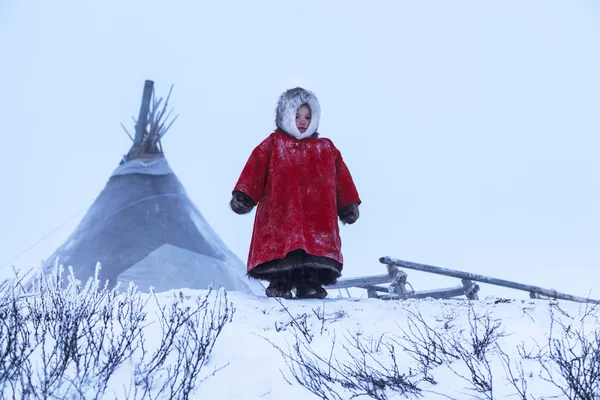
x=256, y=369
x=263, y=348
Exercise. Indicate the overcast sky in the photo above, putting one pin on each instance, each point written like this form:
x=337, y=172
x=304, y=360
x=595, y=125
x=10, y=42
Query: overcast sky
x=471, y=128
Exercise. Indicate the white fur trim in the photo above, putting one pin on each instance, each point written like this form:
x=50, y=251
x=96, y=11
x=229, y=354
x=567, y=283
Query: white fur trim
x=288, y=104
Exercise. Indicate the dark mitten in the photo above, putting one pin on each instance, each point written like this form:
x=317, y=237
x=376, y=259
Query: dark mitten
x=349, y=214
x=241, y=203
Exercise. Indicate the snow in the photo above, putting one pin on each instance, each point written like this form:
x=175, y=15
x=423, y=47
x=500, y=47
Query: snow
x=248, y=360
x=169, y=267
x=158, y=166
x=259, y=370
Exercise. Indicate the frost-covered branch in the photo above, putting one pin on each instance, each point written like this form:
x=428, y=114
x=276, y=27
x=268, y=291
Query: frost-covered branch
x=62, y=339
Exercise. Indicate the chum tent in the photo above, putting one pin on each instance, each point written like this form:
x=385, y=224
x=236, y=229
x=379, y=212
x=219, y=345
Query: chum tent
x=143, y=227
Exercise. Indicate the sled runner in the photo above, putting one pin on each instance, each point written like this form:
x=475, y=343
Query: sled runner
x=397, y=288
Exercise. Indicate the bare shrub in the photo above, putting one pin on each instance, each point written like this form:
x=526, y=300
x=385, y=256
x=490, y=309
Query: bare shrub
x=425, y=345
x=14, y=339
x=572, y=362
x=515, y=373
x=369, y=367
x=62, y=339
x=363, y=373
x=188, y=337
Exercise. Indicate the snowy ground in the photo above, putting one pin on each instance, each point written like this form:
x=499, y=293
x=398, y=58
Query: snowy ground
x=256, y=370
x=478, y=345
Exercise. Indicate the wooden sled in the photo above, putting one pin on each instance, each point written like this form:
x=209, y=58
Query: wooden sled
x=397, y=284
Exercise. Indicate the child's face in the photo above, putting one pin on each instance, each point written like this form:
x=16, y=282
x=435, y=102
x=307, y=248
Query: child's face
x=303, y=118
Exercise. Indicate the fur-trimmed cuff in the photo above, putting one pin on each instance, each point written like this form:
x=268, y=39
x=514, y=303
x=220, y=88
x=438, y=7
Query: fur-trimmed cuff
x=241, y=203
x=349, y=214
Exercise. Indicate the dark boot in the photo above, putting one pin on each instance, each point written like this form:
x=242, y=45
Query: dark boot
x=309, y=285
x=279, y=289
x=310, y=291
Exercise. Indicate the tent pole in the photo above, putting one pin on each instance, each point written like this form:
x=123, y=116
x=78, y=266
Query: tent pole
x=142, y=121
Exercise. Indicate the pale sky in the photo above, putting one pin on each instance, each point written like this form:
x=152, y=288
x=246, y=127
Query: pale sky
x=471, y=128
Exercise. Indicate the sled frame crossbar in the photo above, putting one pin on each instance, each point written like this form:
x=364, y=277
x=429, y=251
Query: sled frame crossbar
x=397, y=284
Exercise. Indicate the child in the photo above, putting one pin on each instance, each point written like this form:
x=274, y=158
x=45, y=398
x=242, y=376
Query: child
x=301, y=185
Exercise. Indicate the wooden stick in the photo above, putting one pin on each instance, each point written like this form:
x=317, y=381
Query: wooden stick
x=551, y=293
x=142, y=121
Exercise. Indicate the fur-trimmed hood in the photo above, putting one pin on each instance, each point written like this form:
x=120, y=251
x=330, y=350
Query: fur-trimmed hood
x=288, y=104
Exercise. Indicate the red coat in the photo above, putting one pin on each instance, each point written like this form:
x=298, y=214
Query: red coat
x=300, y=186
